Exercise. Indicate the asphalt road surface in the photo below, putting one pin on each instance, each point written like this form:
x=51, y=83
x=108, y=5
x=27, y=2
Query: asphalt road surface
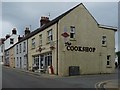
x=12, y=78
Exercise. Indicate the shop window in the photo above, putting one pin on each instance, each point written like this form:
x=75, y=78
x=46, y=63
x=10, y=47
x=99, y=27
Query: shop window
x=72, y=32
x=104, y=41
x=50, y=36
x=33, y=43
x=11, y=41
x=40, y=38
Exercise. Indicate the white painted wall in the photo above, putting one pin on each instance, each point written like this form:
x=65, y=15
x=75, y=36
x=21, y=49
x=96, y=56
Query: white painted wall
x=22, y=54
x=7, y=42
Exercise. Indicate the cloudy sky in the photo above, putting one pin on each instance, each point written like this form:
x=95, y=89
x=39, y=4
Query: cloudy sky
x=22, y=14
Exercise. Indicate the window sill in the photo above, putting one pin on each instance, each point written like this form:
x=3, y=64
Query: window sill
x=32, y=48
x=104, y=45
x=72, y=39
x=108, y=66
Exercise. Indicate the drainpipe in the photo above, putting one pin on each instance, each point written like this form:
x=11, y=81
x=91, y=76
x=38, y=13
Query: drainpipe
x=27, y=56
x=57, y=49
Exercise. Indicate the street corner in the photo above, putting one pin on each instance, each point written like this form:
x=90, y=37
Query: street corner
x=107, y=85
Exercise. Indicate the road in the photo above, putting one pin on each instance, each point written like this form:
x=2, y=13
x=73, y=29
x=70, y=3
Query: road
x=13, y=78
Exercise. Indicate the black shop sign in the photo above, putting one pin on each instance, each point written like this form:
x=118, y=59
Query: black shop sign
x=80, y=48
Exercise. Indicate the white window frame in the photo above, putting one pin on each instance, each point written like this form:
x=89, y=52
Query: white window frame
x=11, y=40
x=104, y=39
x=33, y=43
x=50, y=35
x=72, y=31
x=40, y=39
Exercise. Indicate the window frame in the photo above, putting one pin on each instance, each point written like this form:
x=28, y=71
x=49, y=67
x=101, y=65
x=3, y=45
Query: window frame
x=104, y=41
x=108, y=63
x=17, y=49
x=49, y=36
x=33, y=43
x=72, y=32
x=24, y=46
x=40, y=39
x=20, y=47
x=11, y=40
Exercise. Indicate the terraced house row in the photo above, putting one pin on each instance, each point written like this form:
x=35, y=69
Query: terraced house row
x=71, y=44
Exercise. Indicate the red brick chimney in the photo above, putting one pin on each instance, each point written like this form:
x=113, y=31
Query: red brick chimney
x=27, y=31
x=14, y=31
x=44, y=20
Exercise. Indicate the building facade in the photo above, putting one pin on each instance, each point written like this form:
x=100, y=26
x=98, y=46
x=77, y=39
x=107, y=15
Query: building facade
x=8, y=43
x=72, y=39
x=2, y=48
x=21, y=51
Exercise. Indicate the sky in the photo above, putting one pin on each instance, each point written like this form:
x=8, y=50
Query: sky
x=23, y=14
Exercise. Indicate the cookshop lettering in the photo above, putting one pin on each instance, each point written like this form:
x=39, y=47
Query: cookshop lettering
x=81, y=49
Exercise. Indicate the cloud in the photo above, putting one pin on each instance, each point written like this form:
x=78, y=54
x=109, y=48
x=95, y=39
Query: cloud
x=22, y=14
x=104, y=12
x=7, y=27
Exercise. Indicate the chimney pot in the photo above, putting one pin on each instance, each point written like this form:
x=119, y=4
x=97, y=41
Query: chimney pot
x=27, y=31
x=14, y=31
x=44, y=20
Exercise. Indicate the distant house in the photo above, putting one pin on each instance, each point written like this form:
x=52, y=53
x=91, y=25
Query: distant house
x=72, y=43
x=8, y=43
x=21, y=51
x=2, y=48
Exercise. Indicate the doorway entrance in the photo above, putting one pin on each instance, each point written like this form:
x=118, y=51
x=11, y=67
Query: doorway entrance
x=42, y=61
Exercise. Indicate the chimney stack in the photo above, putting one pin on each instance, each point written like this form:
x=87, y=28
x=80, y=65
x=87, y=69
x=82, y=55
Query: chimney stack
x=27, y=31
x=19, y=38
x=7, y=36
x=2, y=41
x=14, y=31
x=44, y=20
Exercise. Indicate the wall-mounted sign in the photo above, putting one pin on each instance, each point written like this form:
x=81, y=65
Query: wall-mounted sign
x=40, y=49
x=80, y=48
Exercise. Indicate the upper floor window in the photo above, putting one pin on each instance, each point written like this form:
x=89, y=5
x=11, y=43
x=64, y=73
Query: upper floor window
x=20, y=48
x=104, y=41
x=72, y=32
x=11, y=41
x=50, y=35
x=17, y=49
x=24, y=46
x=40, y=38
x=108, y=60
x=2, y=48
x=33, y=43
